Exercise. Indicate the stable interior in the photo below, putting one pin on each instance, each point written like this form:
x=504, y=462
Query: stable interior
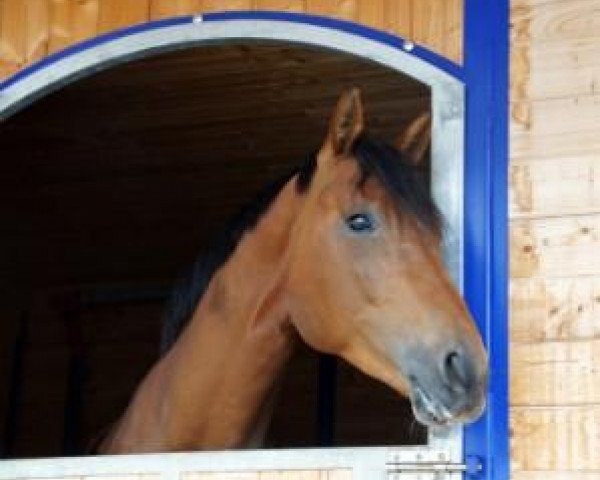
x=113, y=184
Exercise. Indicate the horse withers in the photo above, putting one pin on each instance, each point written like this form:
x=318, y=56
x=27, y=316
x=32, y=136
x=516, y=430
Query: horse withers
x=343, y=254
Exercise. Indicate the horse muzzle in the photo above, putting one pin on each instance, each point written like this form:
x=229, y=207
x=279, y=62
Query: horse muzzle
x=453, y=394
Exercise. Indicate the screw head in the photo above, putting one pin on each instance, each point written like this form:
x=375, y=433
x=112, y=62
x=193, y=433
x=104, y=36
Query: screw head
x=408, y=46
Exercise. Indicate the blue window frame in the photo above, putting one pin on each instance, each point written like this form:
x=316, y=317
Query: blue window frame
x=486, y=221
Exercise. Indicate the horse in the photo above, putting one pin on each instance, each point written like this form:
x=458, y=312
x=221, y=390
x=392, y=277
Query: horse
x=343, y=254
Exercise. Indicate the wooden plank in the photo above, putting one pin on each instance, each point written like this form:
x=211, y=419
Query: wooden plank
x=115, y=14
x=452, y=47
x=13, y=40
x=398, y=17
x=281, y=5
x=59, y=25
x=555, y=127
x=84, y=19
x=560, y=19
x=170, y=8
x=437, y=24
x=520, y=21
x=346, y=9
x=555, y=373
x=561, y=115
x=37, y=30
x=372, y=13
x=556, y=69
x=223, y=5
x=555, y=438
x=520, y=74
x=554, y=309
x=533, y=146
x=555, y=186
x=555, y=247
x=72, y=21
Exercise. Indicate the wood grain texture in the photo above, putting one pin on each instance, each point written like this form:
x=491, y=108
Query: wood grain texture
x=399, y=17
x=224, y=5
x=555, y=373
x=169, y=8
x=37, y=31
x=281, y=5
x=555, y=186
x=72, y=21
x=559, y=19
x=554, y=309
x=554, y=207
x=346, y=9
x=13, y=18
x=440, y=31
x=555, y=127
x=556, y=69
x=557, y=438
x=116, y=14
x=555, y=247
x=30, y=29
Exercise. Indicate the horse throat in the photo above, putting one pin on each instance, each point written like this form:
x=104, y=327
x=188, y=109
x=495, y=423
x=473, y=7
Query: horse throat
x=215, y=388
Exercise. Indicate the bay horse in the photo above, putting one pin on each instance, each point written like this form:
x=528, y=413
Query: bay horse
x=343, y=254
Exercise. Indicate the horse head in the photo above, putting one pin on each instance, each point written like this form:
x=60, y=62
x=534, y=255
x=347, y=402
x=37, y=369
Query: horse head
x=366, y=279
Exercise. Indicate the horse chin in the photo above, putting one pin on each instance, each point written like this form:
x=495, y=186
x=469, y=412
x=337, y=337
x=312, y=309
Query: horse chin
x=428, y=412
x=435, y=415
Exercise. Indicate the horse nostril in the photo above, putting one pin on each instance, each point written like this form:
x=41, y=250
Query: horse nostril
x=456, y=370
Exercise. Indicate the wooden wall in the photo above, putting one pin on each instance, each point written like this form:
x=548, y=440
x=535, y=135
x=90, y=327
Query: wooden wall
x=31, y=29
x=555, y=239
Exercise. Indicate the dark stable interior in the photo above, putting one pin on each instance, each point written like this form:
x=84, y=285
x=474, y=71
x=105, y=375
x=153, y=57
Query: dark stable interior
x=113, y=184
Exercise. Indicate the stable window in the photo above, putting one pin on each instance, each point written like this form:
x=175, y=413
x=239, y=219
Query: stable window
x=136, y=151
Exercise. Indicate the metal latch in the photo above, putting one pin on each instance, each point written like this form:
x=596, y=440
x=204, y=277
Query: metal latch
x=472, y=468
x=426, y=467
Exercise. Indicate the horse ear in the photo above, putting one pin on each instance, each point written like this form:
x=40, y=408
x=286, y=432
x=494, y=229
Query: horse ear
x=414, y=141
x=347, y=122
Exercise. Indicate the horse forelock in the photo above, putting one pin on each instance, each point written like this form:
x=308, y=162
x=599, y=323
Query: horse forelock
x=404, y=182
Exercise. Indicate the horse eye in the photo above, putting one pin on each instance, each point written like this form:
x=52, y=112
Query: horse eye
x=360, y=222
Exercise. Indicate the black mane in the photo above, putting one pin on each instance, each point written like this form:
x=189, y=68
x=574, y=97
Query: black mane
x=402, y=180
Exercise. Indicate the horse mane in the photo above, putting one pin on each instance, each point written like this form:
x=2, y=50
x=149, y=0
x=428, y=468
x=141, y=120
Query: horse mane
x=403, y=180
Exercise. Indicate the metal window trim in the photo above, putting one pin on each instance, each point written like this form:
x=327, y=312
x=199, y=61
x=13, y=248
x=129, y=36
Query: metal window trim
x=363, y=463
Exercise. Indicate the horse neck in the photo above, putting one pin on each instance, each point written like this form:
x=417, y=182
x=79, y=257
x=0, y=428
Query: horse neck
x=214, y=387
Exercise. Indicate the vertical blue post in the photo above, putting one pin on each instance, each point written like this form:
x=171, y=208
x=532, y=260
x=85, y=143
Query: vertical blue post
x=486, y=223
